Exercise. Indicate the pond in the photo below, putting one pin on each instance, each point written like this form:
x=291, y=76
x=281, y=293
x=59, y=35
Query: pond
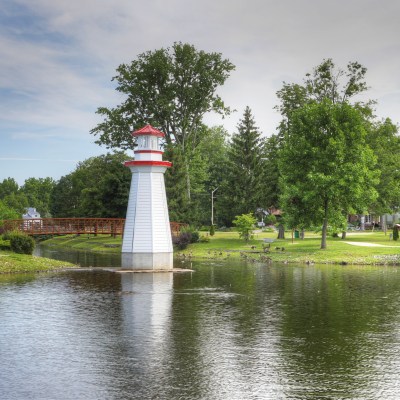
x=228, y=330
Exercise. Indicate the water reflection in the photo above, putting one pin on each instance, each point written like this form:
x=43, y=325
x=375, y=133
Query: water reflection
x=226, y=331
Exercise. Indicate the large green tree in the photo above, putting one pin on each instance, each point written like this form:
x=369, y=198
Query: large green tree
x=99, y=187
x=384, y=139
x=171, y=89
x=327, y=168
x=38, y=192
x=207, y=172
x=12, y=196
x=8, y=186
x=325, y=82
x=242, y=189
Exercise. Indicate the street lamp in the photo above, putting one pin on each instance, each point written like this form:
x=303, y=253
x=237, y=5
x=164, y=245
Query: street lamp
x=212, y=206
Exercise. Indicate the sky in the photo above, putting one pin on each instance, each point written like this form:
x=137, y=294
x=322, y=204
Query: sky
x=57, y=59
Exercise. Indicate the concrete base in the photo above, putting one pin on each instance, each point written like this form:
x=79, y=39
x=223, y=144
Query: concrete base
x=147, y=261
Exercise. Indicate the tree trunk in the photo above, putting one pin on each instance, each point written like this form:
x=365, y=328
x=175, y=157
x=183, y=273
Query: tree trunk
x=281, y=232
x=324, y=226
x=344, y=233
x=187, y=179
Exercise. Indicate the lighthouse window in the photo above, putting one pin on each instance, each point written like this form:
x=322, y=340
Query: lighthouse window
x=154, y=143
x=141, y=142
x=146, y=142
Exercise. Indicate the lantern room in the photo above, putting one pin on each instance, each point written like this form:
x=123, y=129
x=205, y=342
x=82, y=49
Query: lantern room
x=148, y=144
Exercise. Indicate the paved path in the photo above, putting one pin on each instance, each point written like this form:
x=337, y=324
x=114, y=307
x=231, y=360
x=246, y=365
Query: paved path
x=368, y=244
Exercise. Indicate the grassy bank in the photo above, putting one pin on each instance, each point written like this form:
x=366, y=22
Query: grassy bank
x=362, y=248
x=20, y=263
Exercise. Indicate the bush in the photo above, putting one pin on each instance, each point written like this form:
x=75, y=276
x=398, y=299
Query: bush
x=183, y=240
x=245, y=225
x=204, y=239
x=21, y=243
x=395, y=232
x=194, y=234
x=212, y=230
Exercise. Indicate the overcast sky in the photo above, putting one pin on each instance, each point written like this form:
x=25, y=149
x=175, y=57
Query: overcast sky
x=57, y=59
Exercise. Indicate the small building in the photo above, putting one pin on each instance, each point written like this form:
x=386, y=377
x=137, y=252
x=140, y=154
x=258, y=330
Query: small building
x=32, y=219
x=30, y=213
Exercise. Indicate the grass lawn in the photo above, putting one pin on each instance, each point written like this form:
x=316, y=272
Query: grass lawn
x=363, y=248
x=20, y=263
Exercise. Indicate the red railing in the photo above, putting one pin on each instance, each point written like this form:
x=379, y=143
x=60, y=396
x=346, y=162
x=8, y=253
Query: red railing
x=64, y=226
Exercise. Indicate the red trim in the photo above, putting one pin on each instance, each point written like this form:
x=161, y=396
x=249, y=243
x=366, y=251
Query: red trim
x=148, y=163
x=148, y=130
x=149, y=151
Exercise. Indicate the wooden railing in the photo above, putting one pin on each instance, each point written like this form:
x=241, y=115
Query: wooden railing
x=64, y=226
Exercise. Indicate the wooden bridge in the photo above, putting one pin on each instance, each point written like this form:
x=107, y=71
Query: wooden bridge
x=77, y=226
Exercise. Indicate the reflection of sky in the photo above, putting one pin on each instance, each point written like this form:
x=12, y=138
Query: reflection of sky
x=237, y=332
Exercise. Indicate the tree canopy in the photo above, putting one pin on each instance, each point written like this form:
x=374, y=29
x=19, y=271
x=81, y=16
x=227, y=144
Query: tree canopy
x=169, y=88
x=327, y=168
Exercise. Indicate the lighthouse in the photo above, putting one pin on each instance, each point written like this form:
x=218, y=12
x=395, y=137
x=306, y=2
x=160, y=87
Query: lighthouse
x=147, y=242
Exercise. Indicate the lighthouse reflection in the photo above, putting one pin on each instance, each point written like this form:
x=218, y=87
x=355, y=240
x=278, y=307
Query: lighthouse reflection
x=146, y=307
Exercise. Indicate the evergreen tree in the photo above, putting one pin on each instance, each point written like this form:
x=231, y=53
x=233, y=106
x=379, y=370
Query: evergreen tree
x=242, y=189
x=175, y=185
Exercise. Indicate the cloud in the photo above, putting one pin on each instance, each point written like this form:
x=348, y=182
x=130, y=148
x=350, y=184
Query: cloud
x=57, y=58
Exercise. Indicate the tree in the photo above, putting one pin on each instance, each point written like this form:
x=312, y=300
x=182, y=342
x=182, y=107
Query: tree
x=211, y=164
x=327, y=168
x=99, y=187
x=384, y=139
x=325, y=85
x=242, y=189
x=270, y=171
x=38, y=192
x=395, y=232
x=7, y=212
x=171, y=89
x=65, y=198
x=7, y=187
x=326, y=82
x=17, y=201
x=245, y=225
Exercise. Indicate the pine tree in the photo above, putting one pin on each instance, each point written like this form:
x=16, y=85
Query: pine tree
x=242, y=190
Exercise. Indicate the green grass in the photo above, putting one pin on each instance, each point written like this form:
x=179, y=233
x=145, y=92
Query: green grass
x=20, y=263
x=227, y=245
x=98, y=244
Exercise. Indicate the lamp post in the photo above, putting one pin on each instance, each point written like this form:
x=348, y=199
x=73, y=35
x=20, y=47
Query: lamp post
x=212, y=206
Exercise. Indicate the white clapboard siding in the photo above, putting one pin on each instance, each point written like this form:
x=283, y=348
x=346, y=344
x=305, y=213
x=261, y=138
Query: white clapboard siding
x=127, y=243
x=161, y=227
x=147, y=226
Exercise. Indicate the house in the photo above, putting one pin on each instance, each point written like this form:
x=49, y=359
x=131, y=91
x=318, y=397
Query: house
x=30, y=213
x=32, y=218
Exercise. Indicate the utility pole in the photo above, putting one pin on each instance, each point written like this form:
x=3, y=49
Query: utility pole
x=212, y=206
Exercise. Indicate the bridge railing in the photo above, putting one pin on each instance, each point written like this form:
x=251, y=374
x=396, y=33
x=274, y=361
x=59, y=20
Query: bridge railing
x=64, y=226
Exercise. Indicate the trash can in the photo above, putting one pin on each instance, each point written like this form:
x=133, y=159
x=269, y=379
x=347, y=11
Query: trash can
x=296, y=234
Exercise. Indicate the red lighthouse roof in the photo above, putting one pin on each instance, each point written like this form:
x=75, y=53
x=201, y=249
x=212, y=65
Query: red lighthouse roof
x=148, y=130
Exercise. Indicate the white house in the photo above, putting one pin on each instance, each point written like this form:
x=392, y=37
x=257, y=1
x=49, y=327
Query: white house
x=30, y=213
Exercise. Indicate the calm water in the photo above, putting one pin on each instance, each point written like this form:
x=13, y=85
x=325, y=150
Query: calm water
x=225, y=331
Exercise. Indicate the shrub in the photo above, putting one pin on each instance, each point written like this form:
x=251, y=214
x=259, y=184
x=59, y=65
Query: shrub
x=245, y=225
x=183, y=240
x=21, y=243
x=395, y=232
x=204, y=239
x=212, y=230
x=194, y=238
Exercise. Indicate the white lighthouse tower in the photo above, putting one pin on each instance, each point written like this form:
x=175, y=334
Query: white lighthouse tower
x=147, y=242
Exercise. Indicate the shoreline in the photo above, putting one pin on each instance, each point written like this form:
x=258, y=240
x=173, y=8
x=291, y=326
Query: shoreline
x=359, y=248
